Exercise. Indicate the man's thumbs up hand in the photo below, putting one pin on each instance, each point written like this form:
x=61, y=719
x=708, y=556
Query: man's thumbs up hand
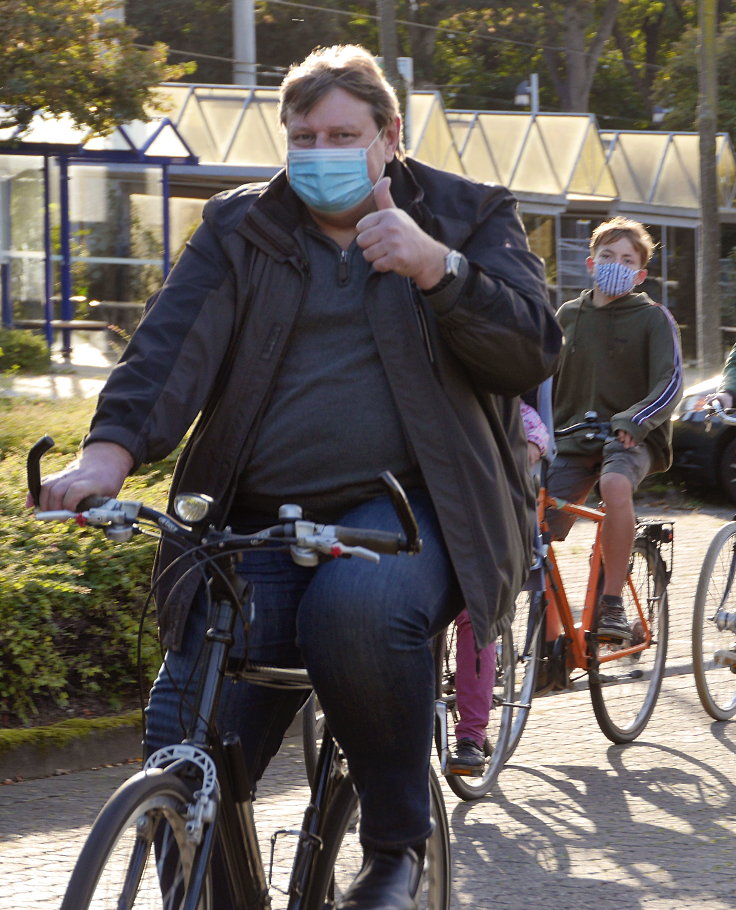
x=382, y=194
x=393, y=242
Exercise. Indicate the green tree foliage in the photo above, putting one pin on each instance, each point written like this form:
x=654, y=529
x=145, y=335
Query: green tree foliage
x=202, y=28
x=70, y=57
x=677, y=88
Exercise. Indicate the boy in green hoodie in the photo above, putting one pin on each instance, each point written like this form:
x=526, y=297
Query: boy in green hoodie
x=621, y=358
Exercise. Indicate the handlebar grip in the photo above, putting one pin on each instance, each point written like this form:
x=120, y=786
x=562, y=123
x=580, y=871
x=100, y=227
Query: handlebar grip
x=33, y=466
x=379, y=541
x=91, y=502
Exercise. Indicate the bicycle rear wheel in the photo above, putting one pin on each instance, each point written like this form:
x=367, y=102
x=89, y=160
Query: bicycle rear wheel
x=714, y=618
x=528, y=639
x=624, y=691
x=499, y=719
x=341, y=856
x=138, y=853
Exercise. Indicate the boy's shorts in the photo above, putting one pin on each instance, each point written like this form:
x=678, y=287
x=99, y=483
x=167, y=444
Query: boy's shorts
x=572, y=477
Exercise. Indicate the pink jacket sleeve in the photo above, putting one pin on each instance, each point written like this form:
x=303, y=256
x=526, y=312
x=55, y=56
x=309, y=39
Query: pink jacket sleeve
x=534, y=427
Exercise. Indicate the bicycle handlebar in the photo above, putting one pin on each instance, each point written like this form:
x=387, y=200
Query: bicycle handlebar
x=121, y=519
x=716, y=409
x=590, y=426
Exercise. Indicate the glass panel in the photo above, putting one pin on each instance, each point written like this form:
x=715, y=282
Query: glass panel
x=22, y=232
x=461, y=123
x=168, y=144
x=418, y=111
x=505, y=135
x=564, y=137
x=592, y=175
x=635, y=163
x=679, y=180
x=59, y=130
x=195, y=129
x=536, y=172
x=436, y=147
x=477, y=159
x=172, y=99
x=259, y=139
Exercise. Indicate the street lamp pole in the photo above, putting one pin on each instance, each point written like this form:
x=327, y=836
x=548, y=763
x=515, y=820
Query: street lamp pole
x=708, y=297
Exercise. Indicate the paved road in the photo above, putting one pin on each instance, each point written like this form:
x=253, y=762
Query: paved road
x=575, y=821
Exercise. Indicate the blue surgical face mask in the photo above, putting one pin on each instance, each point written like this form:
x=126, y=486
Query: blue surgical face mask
x=614, y=279
x=330, y=180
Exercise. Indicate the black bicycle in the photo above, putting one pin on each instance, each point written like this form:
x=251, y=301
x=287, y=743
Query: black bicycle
x=182, y=829
x=714, y=616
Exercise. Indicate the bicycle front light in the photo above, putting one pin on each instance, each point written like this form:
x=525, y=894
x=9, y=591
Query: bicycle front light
x=192, y=507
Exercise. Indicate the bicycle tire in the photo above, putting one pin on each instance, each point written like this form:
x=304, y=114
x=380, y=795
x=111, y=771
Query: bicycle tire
x=341, y=856
x=715, y=681
x=624, y=692
x=500, y=717
x=113, y=868
x=528, y=637
x=313, y=724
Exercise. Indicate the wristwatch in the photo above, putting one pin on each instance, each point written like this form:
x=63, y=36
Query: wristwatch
x=453, y=262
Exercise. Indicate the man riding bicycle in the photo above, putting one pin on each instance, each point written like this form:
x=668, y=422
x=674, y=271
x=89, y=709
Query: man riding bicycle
x=360, y=312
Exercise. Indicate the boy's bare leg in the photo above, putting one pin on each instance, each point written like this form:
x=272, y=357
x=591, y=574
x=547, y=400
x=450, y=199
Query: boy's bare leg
x=617, y=538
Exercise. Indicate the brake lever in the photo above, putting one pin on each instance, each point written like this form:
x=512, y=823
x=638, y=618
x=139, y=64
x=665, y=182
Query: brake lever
x=33, y=466
x=403, y=511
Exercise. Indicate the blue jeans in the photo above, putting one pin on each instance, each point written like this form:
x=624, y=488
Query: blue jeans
x=363, y=632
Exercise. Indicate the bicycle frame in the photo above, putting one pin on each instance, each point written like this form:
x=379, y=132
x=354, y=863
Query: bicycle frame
x=560, y=620
x=228, y=801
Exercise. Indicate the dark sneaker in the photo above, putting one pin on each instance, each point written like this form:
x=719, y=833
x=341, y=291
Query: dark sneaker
x=468, y=759
x=612, y=622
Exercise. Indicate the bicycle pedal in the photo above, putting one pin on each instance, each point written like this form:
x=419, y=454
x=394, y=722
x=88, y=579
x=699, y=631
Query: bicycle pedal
x=466, y=772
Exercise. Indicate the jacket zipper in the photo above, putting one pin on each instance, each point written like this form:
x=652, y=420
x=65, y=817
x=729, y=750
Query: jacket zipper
x=342, y=268
x=422, y=322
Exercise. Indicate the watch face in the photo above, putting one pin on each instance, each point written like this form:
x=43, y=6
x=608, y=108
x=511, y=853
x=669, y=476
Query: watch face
x=452, y=262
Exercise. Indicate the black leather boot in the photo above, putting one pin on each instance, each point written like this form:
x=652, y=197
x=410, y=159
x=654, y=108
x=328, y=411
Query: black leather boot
x=389, y=880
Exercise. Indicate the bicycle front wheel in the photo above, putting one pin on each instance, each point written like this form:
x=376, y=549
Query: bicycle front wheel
x=624, y=690
x=341, y=856
x=499, y=718
x=138, y=853
x=714, y=614
x=528, y=641
x=313, y=725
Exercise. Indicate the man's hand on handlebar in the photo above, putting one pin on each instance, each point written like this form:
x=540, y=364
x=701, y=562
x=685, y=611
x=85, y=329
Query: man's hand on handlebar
x=100, y=470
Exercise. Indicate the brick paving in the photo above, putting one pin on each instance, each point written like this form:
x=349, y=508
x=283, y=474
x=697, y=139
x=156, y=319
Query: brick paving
x=575, y=821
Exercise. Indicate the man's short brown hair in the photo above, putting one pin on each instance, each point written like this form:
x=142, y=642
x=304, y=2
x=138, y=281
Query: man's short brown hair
x=346, y=66
x=634, y=231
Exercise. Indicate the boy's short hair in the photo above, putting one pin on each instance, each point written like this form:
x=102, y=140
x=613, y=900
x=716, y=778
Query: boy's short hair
x=347, y=66
x=610, y=231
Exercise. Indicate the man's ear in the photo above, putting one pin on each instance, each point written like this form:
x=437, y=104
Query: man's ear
x=590, y=264
x=640, y=276
x=392, y=134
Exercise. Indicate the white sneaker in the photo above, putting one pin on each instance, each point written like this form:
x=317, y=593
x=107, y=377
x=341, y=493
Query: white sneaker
x=726, y=657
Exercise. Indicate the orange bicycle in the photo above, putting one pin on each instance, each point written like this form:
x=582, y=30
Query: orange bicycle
x=553, y=640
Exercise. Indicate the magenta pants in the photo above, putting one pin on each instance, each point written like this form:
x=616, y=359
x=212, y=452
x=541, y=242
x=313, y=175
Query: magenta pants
x=474, y=689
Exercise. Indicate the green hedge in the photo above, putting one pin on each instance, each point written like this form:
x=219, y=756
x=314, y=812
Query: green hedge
x=70, y=600
x=23, y=351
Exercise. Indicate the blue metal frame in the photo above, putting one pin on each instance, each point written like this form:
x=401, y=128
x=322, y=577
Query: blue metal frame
x=67, y=155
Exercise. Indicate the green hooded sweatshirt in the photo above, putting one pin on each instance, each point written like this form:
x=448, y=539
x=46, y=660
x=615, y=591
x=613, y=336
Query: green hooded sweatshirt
x=623, y=361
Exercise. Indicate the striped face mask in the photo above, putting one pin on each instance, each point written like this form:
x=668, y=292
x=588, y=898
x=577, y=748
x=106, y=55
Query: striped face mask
x=614, y=279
